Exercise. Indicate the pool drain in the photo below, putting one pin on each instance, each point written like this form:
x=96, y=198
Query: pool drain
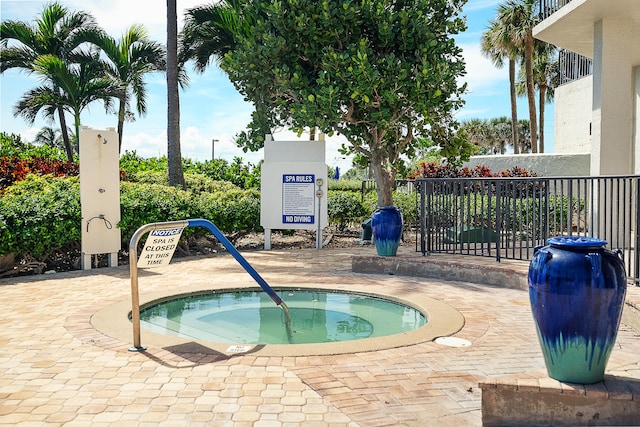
x=453, y=342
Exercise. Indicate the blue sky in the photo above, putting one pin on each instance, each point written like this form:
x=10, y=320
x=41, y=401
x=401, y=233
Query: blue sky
x=211, y=108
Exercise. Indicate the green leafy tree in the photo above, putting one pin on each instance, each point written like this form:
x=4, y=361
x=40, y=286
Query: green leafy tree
x=129, y=60
x=379, y=72
x=56, y=32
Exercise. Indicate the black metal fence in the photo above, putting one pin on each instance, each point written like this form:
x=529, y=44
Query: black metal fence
x=572, y=66
x=509, y=217
x=547, y=7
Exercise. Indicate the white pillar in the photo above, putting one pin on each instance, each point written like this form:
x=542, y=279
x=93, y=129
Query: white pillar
x=612, y=146
x=636, y=118
x=613, y=98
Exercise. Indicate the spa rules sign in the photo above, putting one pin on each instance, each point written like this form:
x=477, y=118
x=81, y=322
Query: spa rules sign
x=159, y=247
x=298, y=198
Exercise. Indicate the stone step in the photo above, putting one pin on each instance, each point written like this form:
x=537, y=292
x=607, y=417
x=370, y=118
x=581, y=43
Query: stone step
x=537, y=400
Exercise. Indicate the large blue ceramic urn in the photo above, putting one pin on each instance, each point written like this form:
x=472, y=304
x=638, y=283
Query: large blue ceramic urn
x=386, y=227
x=577, y=290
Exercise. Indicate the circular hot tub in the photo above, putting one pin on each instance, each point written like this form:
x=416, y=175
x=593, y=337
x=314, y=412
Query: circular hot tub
x=347, y=318
x=251, y=317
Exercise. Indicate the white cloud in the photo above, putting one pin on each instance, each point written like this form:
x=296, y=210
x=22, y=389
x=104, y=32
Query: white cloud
x=115, y=16
x=481, y=73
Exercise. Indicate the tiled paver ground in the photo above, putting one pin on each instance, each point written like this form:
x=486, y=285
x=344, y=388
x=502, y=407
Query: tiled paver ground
x=56, y=369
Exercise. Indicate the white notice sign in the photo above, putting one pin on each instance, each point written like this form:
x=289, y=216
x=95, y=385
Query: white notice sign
x=298, y=199
x=159, y=247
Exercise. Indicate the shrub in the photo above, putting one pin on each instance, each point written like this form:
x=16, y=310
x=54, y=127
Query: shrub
x=345, y=184
x=14, y=168
x=242, y=175
x=39, y=215
x=195, y=183
x=234, y=210
x=11, y=145
x=345, y=208
x=230, y=210
x=146, y=203
x=435, y=170
x=406, y=202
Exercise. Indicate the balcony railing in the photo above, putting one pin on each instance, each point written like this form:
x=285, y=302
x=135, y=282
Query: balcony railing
x=508, y=217
x=572, y=66
x=547, y=7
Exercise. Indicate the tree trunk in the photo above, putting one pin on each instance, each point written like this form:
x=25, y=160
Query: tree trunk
x=531, y=97
x=384, y=178
x=65, y=134
x=174, y=157
x=514, y=108
x=542, y=94
x=121, y=111
x=76, y=123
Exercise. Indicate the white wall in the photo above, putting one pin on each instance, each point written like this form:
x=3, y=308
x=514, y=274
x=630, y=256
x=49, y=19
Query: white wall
x=542, y=164
x=572, y=114
x=636, y=119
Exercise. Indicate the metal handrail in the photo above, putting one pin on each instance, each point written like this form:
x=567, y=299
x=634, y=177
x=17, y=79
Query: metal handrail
x=133, y=268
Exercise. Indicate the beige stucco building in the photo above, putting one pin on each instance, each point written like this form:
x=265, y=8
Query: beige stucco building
x=599, y=112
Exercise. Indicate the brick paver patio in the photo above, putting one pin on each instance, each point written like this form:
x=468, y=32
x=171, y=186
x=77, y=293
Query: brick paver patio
x=56, y=369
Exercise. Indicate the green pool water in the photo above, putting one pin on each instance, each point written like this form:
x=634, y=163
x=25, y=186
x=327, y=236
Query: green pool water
x=251, y=317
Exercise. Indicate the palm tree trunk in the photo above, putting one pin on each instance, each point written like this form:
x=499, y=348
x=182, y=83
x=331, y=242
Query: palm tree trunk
x=76, y=124
x=514, y=108
x=542, y=92
x=174, y=157
x=121, y=111
x=65, y=134
x=533, y=118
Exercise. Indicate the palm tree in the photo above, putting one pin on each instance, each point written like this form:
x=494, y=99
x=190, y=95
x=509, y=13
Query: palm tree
x=174, y=156
x=501, y=131
x=211, y=31
x=496, y=45
x=67, y=87
x=50, y=137
x=517, y=19
x=129, y=60
x=545, y=79
x=56, y=32
x=545, y=73
x=478, y=133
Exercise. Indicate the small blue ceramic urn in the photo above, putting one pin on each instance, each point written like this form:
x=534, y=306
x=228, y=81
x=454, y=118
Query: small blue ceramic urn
x=386, y=227
x=577, y=290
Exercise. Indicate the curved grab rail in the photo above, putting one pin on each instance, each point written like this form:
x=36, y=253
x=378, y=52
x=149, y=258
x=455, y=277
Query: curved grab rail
x=133, y=268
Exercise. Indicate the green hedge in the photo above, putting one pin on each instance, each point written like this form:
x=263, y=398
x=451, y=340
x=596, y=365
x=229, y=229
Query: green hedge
x=345, y=208
x=406, y=202
x=39, y=215
x=42, y=213
x=196, y=183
